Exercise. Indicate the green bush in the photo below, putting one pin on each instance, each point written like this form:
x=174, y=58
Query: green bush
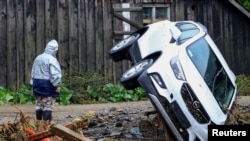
x=5, y=95
x=116, y=93
x=243, y=84
x=91, y=88
x=245, y=4
x=23, y=95
x=80, y=85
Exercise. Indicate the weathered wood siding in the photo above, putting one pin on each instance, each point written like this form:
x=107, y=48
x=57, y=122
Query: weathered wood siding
x=82, y=28
x=86, y=30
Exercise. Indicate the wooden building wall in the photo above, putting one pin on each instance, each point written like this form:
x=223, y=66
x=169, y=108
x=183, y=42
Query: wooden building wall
x=86, y=30
x=82, y=28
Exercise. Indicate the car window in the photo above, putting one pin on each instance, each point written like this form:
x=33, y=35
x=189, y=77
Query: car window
x=212, y=71
x=200, y=54
x=185, y=26
x=187, y=34
x=188, y=31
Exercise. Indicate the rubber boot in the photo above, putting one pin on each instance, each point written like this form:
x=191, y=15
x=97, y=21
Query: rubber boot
x=47, y=115
x=39, y=114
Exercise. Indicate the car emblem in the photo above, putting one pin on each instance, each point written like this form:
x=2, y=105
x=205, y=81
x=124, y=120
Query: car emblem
x=196, y=104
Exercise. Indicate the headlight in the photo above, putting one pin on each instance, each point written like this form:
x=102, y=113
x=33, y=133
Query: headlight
x=177, y=69
x=158, y=79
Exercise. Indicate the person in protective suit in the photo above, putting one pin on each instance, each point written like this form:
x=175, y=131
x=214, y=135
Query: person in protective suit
x=46, y=79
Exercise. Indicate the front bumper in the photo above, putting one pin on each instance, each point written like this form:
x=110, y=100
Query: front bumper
x=171, y=112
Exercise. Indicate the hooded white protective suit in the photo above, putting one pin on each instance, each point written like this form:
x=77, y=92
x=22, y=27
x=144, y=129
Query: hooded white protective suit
x=46, y=72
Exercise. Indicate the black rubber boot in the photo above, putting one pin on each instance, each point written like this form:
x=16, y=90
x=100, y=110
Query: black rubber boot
x=39, y=114
x=47, y=115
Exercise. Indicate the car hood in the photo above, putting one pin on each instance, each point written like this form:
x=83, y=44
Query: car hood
x=204, y=94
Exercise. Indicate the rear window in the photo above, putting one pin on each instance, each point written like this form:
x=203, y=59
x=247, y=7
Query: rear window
x=188, y=31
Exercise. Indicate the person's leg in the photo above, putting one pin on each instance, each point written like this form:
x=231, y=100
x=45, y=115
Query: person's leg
x=39, y=109
x=48, y=107
x=47, y=115
x=39, y=114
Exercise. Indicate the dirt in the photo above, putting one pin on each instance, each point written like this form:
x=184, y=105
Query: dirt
x=110, y=120
x=65, y=114
x=118, y=120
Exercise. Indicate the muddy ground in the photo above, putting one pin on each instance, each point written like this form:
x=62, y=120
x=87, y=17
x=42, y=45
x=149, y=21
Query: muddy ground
x=122, y=121
x=65, y=114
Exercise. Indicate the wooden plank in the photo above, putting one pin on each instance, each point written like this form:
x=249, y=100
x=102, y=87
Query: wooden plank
x=61, y=131
x=40, y=135
x=30, y=37
x=126, y=20
x=179, y=11
x=63, y=35
x=20, y=43
x=108, y=43
x=82, y=36
x=3, y=43
x=119, y=33
x=117, y=26
x=73, y=38
x=11, y=49
x=99, y=36
x=66, y=133
x=90, y=31
x=142, y=1
x=40, y=19
x=137, y=17
x=130, y=9
x=50, y=20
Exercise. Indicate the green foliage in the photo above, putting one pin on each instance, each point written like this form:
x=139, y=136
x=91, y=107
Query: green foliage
x=65, y=95
x=23, y=95
x=96, y=95
x=5, y=95
x=245, y=4
x=243, y=84
x=85, y=87
x=91, y=88
x=116, y=93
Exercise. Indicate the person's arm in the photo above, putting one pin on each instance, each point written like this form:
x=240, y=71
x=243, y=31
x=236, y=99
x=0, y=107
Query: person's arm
x=56, y=76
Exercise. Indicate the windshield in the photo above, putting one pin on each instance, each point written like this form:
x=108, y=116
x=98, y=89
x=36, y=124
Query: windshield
x=212, y=72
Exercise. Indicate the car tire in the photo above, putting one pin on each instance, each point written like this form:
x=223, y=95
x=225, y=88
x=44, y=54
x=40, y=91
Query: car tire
x=119, y=51
x=129, y=78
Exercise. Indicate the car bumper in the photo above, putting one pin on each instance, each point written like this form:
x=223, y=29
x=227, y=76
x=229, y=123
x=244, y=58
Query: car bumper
x=173, y=115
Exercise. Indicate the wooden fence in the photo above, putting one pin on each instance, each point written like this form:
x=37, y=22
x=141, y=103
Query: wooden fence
x=84, y=30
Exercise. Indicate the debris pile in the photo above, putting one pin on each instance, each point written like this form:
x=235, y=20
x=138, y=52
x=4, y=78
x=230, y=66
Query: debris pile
x=123, y=124
x=27, y=128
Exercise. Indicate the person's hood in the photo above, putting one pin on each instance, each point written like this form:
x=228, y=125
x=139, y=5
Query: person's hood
x=51, y=47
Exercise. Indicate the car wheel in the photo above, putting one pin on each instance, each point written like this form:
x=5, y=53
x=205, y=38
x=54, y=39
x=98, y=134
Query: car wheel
x=119, y=51
x=129, y=78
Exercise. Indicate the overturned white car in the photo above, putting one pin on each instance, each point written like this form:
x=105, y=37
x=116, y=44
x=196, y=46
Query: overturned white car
x=184, y=74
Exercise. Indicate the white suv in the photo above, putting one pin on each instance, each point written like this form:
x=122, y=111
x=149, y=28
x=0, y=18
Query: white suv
x=183, y=73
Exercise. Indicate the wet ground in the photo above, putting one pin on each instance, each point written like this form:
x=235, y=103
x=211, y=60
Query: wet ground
x=128, y=121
